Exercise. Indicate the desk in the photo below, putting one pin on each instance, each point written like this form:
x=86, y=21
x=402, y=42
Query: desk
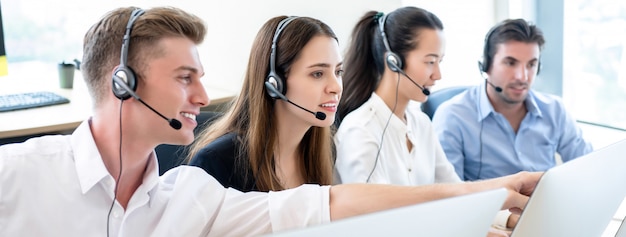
x=60, y=118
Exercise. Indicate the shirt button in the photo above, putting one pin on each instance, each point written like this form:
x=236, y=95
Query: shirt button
x=116, y=214
x=409, y=170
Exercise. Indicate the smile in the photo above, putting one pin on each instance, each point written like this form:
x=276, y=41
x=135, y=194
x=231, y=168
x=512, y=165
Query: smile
x=188, y=115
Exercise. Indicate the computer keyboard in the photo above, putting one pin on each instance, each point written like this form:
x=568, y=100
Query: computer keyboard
x=27, y=100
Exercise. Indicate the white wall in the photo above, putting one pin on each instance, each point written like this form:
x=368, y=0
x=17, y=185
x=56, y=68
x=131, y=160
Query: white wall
x=232, y=28
x=234, y=24
x=465, y=25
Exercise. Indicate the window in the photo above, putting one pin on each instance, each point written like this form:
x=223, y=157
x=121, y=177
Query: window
x=594, y=60
x=37, y=37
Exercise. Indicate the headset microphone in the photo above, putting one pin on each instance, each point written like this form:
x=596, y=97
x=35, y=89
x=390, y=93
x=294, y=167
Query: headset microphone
x=174, y=123
x=497, y=88
x=274, y=84
x=271, y=88
x=425, y=90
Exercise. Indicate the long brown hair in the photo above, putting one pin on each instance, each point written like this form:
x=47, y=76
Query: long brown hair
x=250, y=115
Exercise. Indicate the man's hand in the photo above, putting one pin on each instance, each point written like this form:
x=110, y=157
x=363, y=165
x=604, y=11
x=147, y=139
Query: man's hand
x=520, y=186
x=512, y=222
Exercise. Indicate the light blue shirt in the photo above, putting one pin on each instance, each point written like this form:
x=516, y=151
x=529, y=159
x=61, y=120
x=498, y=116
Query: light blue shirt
x=481, y=143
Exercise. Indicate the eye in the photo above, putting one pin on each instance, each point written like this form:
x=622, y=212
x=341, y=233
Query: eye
x=339, y=73
x=186, y=79
x=317, y=74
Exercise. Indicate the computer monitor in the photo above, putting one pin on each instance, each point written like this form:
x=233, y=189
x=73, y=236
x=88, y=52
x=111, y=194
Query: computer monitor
x=468, y=215
x=577, y=198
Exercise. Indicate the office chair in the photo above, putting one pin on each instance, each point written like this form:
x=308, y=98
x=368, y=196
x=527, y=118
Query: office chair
x=170, y=156
x=9, y=140
x=437, y=97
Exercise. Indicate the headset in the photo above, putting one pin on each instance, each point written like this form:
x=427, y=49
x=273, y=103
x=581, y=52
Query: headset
x=274, y=84
x=485, y=64
x=124, y=83
x=393, y=60
x=273, y=79
x=123, y=71
x=124, y=79
x=395, y=65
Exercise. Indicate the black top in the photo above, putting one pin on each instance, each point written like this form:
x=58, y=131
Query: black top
x=226, y=162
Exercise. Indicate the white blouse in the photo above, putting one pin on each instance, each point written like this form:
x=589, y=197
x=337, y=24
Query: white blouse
x=359, y=137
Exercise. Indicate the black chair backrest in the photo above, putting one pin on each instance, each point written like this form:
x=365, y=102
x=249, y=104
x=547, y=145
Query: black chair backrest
x=170, y=156
x=436, y=98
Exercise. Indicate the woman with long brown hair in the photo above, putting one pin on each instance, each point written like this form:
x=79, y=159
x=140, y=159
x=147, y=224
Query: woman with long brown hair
x=277, y=134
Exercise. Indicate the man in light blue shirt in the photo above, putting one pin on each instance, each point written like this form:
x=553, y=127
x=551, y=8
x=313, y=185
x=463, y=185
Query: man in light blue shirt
x=501, y=126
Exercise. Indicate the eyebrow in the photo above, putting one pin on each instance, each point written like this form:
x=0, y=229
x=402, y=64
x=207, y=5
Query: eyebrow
x=189, y=68
x=433, y=55
x=324, y=65
x=516, y=60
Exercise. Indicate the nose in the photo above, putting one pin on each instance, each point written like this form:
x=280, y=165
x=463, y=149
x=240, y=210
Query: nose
x=522, y=73
x=199, y=96
x=436, y=73
x=335, y=85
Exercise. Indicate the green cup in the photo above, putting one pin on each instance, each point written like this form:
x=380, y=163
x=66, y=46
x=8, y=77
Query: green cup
x=66, y=75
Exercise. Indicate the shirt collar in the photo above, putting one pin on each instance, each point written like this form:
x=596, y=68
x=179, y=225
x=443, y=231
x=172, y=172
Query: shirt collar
x=89, y=165
x=91, y=169
x=383, y=112
x=531, y=104
x=485, y=107
x=151, y=177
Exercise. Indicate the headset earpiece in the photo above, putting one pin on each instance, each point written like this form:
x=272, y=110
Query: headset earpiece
x=123, y=71
x=480, y=66
x=128, y=76
x=485, y=64
x=276, y=84
x=272, y=77
x=393, y=61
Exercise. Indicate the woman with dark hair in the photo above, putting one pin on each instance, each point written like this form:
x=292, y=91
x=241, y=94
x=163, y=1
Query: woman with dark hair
x=269, y=139
x=393, y=59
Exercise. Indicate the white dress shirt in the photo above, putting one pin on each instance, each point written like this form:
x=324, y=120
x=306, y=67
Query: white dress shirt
x=359, y=137
x=360, y=134
x=58, y=186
